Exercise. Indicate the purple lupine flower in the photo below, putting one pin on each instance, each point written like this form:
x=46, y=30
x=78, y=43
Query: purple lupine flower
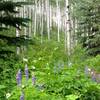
x=26, y=72
x=19, y=77
x=22, y=96
x=33, y=80
x=93, y=76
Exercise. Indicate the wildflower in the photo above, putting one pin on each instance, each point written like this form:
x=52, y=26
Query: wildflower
x=25, y=59
x=22, y=96
x=19, y=77
x=33, y=67
x=93, y=78
x=93, y=75
x=8, y=95
x=69, y=64
x=26, y=72
x=33, y=79
x=23, y=86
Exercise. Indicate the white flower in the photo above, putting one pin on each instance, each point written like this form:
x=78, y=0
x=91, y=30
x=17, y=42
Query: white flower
x=25, y=59
x=8, y=95
x=33, y=67
x=23, y=86
x=89, y=69
x=69, y=64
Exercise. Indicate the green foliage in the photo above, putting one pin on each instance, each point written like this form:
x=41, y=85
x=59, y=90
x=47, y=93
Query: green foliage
x=46, y=54
x=48, y=61
x=68, y=83
x=61, y=2
x=78, y=55
x=92, y=93
x=93, y=63
x=7, y=72
x=54, y=79
x=88, y=16
x=8, y=44
x=8, y=18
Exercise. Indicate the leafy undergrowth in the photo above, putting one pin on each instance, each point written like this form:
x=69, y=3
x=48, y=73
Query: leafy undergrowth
x=64, y=84
x=94, y=63
x=55, y=78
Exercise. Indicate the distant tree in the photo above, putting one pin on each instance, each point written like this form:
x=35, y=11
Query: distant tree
x=88, y=15
x=8, y=19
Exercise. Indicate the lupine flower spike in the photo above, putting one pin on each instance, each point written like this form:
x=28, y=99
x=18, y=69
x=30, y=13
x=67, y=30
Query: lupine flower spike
x=93, y=75
x=22, y=96
x=19, y=77
x=26, y=72
x=33, y=79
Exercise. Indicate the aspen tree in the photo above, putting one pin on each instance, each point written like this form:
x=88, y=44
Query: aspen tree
x=35, y=21
x=67, y=27
x=71, y=28
x=65, y=31
x=58, y=18
x=30, y=23
x=48, y=18
x=42, y=16
x=32, y=18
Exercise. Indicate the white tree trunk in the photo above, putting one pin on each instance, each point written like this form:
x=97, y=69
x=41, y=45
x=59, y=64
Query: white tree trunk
x=48, y=18
x=58, y=20
x=68, y=27
x=32, y=14
x=42, y=17
x=29, y=14
x=35, y=21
